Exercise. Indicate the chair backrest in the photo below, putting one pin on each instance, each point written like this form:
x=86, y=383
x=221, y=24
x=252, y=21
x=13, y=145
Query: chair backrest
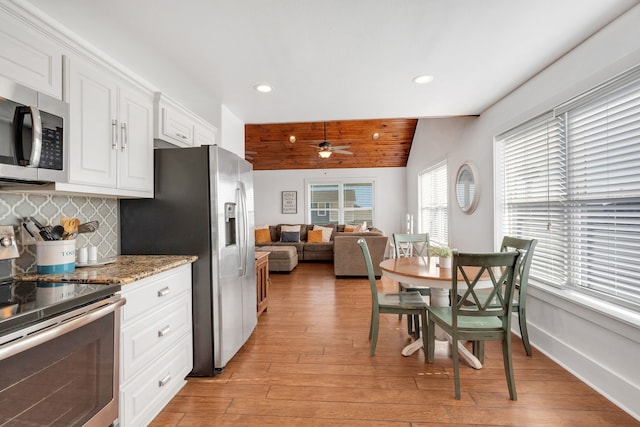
x=372, y=277
x=522, y=274
x=484, y=272
x=407, y=245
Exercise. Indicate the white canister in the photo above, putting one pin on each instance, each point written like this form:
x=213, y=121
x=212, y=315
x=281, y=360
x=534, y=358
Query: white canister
x=56, y=256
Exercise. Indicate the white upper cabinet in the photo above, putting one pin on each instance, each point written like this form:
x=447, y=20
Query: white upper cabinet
x=178, y=126
x=28, y=57
x=111, y=135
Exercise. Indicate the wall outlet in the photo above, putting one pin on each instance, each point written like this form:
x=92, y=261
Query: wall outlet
x=26, y=238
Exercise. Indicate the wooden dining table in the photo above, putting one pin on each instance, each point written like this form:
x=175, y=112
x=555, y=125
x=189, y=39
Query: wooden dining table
x=425, y=271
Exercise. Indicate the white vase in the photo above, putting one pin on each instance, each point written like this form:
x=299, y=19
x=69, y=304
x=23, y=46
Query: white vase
x=444, y=262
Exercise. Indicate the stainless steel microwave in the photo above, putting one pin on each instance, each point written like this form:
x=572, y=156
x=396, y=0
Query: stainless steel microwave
x=33, y=135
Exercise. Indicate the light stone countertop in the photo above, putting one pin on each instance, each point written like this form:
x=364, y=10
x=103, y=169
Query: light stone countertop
x=126, y=269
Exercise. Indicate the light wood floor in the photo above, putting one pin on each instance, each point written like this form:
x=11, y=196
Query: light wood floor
x=308, y=364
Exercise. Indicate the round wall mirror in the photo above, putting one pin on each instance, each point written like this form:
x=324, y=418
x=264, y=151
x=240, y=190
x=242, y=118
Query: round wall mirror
x=467, y=187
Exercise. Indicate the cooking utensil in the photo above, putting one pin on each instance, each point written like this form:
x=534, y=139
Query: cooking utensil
x=57, y=232
x=88, y=227
x=44, y=230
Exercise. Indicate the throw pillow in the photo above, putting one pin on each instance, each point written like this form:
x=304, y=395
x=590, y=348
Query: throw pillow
x=262, y=235
x=290, y=236
x=290, y=228
x=326, y=232
x=314, y=236
x=361, y=228
x=349, y=228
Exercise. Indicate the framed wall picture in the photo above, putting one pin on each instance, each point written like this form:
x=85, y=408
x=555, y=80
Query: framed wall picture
x=289, y=202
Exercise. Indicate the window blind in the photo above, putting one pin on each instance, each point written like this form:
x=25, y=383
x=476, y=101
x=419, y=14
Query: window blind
x=571, y=179
x=434, y=203
x=604, y=192
x=533, y=190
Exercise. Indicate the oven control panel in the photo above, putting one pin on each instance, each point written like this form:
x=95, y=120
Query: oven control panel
x=8, y=245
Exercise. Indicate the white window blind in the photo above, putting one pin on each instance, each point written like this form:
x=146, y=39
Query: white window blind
x=533, y=190
x=603, y=206
x=434, y=203
x=571, y=179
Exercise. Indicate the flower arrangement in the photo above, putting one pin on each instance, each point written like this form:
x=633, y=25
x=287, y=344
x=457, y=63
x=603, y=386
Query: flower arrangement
x=440, y=251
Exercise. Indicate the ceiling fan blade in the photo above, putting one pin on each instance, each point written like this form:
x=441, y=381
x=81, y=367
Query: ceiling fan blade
x=342, y=152
x=340, y=147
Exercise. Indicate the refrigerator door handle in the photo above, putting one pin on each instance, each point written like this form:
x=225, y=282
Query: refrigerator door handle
x=244, y=253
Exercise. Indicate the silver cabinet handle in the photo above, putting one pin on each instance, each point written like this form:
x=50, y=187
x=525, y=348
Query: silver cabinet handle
x=125, y=137
x=163, y=382
x=164, y=292
x=114, y=134
x=179, y=135
x=164, y=331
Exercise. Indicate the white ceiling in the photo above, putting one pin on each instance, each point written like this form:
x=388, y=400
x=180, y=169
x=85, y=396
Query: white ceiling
x=335, y=59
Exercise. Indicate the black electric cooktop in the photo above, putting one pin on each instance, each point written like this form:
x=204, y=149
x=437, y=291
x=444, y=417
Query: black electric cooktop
x=23, y=303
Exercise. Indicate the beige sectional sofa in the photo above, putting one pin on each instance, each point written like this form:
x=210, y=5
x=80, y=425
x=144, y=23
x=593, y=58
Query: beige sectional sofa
x=342, y=248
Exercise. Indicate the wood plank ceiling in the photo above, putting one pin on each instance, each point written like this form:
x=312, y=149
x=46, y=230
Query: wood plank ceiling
x=268, y=146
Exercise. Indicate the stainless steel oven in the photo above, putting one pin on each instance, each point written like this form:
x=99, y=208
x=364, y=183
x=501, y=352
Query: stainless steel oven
x=59, y=349
x=63, y=371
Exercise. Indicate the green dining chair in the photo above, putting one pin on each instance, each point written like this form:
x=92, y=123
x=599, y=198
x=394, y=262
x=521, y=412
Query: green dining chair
x=406, y=302
x=410, y=245
x=485, y=319
x=519, y=299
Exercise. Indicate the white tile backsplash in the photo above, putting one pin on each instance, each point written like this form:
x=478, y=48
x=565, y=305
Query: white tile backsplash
x=49, y=208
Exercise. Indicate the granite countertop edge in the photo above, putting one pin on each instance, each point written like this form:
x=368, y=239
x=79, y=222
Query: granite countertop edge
x=126, y=269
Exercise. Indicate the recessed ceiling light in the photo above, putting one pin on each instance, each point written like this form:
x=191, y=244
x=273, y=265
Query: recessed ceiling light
x=423, y=79
x=375, y=136
x=292, y=139
x=263, y=88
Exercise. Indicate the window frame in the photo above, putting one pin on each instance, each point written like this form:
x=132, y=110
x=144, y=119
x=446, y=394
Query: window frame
x=341, y=183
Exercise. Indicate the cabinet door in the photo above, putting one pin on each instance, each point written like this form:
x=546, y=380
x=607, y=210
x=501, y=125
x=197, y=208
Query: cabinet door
x=204, y=135
x=28, y=57
x=135, y=162
x=93, y=140
x=177, y=128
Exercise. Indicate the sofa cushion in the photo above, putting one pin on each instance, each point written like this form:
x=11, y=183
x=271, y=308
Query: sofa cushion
x=314, y=236
x=290, y=236
x=326, y=232
x=262, y=235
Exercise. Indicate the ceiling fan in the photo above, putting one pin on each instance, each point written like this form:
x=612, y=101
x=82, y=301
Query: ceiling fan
x=325, y=149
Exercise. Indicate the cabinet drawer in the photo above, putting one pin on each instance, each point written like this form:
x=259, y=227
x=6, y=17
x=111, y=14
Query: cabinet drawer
x=151, y=293
x=177, y=127
x=150, y=336
x=144, y=397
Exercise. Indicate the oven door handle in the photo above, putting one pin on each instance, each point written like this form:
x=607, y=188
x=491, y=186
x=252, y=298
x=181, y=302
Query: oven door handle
x=60, y=325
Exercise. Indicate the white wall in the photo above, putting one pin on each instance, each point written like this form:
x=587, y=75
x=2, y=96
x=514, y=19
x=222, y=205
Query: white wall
x=597, y=342
x=440, y=139
x=231, y=132
x=390, y=197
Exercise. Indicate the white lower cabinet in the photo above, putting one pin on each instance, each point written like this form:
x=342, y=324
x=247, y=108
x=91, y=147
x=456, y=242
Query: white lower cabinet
x=156, y=347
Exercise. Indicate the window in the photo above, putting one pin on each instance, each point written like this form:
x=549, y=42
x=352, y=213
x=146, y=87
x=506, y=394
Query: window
x=571, y=179
x=433, y=203
x=340, y=203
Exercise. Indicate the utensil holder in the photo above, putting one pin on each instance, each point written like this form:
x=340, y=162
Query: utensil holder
x=56, y=256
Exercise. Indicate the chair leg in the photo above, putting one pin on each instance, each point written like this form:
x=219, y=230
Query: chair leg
x=522, y=320
x=374, y=333
x=456, y=366
x=410, y=324
x=426, y=344
x=429, y=346
x=508, y=366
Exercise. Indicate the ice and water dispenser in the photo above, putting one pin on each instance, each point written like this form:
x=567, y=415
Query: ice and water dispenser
x=229, y=224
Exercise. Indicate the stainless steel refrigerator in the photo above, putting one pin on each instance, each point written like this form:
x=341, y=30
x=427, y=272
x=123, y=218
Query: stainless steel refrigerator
x=203, y=206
